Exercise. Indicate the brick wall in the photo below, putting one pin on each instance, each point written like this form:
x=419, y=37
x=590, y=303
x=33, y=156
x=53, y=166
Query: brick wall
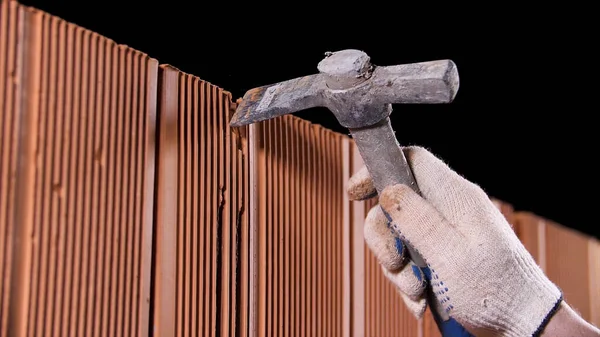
x=128, y=206
x=77, y=134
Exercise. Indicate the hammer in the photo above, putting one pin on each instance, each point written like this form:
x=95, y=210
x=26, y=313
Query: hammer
x=360, y=95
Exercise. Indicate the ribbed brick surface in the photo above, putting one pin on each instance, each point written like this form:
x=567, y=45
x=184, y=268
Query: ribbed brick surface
x=203, y=235
x=86, y=161
x=299, y=175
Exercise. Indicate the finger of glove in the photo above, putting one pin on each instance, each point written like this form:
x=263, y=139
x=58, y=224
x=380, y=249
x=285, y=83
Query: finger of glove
x=419, y=223
x=360, y=185
x=458, y=199
x=416, y=307
x=385, y=244
x=409, y=280
x=383, y=241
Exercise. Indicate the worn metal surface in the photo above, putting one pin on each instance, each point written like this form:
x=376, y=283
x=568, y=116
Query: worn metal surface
x=360, y=95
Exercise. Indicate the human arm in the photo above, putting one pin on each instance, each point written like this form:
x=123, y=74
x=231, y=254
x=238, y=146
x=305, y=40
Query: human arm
x=482, y=275
x=566, y=323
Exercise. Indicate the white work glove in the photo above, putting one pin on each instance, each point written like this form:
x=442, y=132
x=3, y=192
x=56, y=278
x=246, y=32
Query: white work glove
x=481, y=273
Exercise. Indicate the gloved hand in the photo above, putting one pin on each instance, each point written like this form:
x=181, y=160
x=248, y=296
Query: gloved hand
x=481, y=274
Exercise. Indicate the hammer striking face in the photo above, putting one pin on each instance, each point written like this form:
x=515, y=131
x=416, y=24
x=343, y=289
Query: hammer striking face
x=357, y=92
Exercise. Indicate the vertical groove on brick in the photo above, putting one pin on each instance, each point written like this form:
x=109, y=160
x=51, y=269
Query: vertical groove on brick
x=337, y=231
x=262, y=233
x=165, y=286
x=304, y=218
x=286, y=224
x=110, y=118
x=323, y=237
x=278, y=227
x=244, y=278
x=146, y=191
x=317, y=237
x=296, y=226
x=260, y=236
x=193, y=101
x=346, y=261
x=252, y=163
x=245, y=263
x=312, y=263
x=208, y=161
x=96, y=133
x=74, y=135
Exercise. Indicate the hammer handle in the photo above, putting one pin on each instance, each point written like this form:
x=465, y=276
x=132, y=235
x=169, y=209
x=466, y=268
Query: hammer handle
x=387, y=166
x=386, y=163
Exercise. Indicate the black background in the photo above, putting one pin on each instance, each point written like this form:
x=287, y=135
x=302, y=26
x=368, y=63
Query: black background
x=522, y=125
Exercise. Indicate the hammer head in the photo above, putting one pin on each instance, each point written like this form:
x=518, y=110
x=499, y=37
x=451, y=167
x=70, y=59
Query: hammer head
x=357, y=92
